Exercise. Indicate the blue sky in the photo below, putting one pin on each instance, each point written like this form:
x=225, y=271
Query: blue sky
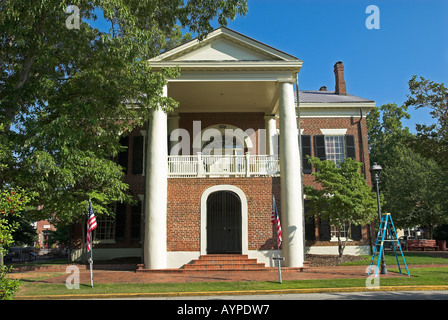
x=412, y=40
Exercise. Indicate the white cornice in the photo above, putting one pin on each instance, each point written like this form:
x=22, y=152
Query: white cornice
x=337, y=105
x=234, y=76
x=334, y=112
x=229, y=65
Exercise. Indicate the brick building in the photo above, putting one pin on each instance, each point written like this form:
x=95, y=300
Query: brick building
x=42, y=228
x=233, y=144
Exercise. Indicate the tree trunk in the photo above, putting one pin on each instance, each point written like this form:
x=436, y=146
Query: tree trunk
x=341, y=247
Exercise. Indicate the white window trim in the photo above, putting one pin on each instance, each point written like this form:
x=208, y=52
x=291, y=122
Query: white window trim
x=343, y=146
x=335, y=239
x=100, y=220
x=103, y=241
x=334, y=132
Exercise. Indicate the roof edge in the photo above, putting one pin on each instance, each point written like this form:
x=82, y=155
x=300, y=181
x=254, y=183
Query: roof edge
x=233, y=35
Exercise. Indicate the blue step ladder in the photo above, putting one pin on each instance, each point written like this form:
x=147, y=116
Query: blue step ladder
x=385, y=225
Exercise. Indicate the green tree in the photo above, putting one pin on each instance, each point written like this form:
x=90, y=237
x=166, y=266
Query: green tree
x=386, y=133
x=63, y=91
x=343, y=198
x=415, y=191
x=60, y=236
x=432, y=140
x=12, y=202
x=25, y=234
x=413, y=186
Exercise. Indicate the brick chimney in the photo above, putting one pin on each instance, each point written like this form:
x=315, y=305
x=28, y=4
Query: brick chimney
x=340, y=87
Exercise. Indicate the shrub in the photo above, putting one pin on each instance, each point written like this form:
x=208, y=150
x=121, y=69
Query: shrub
x=8, y=287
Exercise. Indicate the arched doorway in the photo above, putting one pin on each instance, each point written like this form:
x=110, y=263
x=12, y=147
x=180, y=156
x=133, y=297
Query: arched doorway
x=224, y=223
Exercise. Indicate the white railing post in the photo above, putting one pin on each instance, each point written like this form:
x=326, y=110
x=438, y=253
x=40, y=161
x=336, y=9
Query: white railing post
x=200, y=165
x=247, y=164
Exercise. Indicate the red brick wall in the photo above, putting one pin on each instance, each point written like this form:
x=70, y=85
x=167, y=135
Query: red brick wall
x=355, y=127
x=312, y=126
x=41, y=227
x=184, y=210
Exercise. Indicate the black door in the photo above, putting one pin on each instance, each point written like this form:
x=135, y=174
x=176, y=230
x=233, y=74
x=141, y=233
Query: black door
x=223, y=223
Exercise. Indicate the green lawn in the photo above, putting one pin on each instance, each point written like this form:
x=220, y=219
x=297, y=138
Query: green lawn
x=419, y=276
x=412, y=258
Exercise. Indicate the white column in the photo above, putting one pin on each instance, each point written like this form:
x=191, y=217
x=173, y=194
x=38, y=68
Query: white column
x=271, y=134
x=290, y=180
x=156, y=191
x=173, y=124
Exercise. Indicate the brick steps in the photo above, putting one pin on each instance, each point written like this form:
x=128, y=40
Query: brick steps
x=225, y=262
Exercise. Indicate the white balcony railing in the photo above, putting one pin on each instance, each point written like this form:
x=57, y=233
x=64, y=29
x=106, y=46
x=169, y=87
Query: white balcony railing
x=222, y=165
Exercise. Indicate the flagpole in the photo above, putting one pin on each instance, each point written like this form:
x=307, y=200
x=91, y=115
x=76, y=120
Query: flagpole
x=91, y=262
x=91, y=224
x=279, y=258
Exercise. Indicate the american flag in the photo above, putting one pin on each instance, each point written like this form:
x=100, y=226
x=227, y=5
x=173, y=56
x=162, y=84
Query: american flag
x=275, y=219
x=91, y=225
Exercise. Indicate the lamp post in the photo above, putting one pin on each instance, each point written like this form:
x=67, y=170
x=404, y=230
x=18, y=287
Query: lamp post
x=376, y=171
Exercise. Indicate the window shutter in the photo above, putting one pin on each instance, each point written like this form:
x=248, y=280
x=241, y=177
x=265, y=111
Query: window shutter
x=319, y=147
x=120, y=221
x=356, y=232
x=310, y=225
x=350, y=151
x=136, y=212
x=325, y=230
x=306, y=151
x=123, y=155
x=137, y=155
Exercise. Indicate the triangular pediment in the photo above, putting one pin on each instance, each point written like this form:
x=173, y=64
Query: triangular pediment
x=223, y=50
x=224, y=44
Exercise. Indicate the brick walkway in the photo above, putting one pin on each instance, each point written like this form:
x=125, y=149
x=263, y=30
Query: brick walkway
x=103, y=276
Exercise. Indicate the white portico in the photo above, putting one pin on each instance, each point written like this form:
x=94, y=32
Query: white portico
x=226, y=72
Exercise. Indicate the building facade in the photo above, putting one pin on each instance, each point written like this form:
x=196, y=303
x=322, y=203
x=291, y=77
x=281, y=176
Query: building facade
x=206, y=174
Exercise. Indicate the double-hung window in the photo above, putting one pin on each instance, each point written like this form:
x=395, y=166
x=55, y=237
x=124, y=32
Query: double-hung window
x=105, y=231
x=327, y=147
x=334, y=148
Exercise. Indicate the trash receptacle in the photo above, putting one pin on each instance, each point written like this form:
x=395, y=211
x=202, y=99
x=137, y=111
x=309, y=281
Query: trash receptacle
x=442, y=245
